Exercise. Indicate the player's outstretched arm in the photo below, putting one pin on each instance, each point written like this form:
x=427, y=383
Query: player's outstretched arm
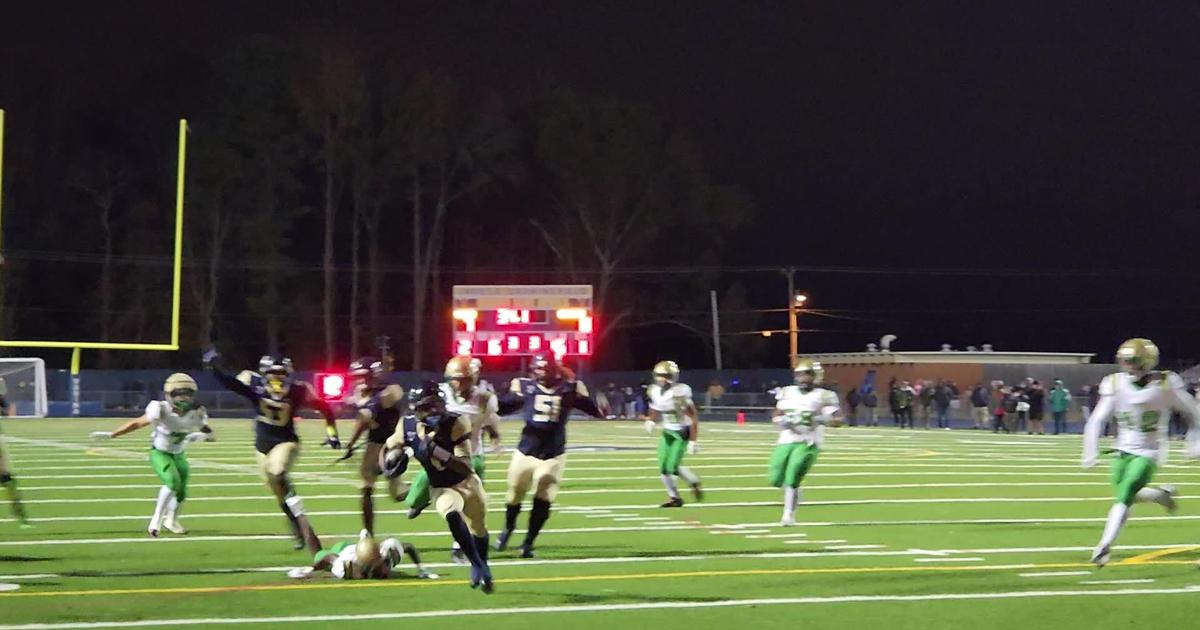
x=128, y=427
x=313, y=401
x=1091, y=430
x=583, y=402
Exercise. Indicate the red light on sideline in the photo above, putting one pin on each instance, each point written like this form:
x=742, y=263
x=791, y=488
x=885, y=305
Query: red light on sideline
x=331, y=386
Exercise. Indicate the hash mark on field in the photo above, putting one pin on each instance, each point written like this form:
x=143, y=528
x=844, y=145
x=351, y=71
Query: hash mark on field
x=777, y=536
x=852, y=547
x=948, y=559
x=1141, y=581
x=1054, y=573
x=740, y=531
x=812, y=542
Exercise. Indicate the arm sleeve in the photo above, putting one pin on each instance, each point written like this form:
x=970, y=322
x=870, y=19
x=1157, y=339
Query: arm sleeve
x=235, y=386
x=511, y=400
x=584, y=403
x=1095, y=423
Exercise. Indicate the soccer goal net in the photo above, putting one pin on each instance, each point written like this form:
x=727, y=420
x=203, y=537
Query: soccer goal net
x=23, y=387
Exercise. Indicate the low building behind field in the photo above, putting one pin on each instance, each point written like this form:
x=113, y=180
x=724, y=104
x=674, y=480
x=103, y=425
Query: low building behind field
x=964, y=368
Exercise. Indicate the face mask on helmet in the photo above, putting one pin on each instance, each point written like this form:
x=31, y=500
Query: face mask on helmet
x=182, y=399
x=277, y=383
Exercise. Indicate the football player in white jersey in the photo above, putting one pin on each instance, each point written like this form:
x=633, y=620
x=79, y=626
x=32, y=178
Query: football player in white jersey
x=802, y=411
x=1141, y=399
x=176, y=421
x=671, y=403
x=364, y=559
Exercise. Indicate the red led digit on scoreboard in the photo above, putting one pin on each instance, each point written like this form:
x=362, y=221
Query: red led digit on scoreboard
x=535, y=343
x=511, y=316
x=514, y=343
x=463, y=347
x=493, y=347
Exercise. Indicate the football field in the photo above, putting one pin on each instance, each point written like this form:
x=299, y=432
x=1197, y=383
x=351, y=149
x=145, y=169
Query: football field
x=898, y=529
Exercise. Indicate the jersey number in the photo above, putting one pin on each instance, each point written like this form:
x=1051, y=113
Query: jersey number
x=1148, y=424
x=276, y=412
x=802, y=418
x=546, y=408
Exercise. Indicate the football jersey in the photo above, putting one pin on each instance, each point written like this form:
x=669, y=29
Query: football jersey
x=274, y=416
x=670, y=403
x=476, y=406
x=381, y=407
x=446, y=432
x=546, y=410
x=1142, y=411
x=804, y=414
x=170, y=430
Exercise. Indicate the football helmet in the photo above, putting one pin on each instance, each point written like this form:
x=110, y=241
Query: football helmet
x=368, y=557
x=365, y=370
x=180, y=390
x=277, y=377
x=544, y=369
x=807, y=374
x=1137, y=355
x=426, y=400
x=461, y=373
x=666, y=373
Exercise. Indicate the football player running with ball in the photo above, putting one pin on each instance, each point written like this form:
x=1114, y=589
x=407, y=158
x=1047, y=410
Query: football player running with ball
x=1142, y=400
x=671, y=403
x=276, y=397
x=802, y=412
x=546, y=400
x=455, y=489
x=378, y=412
x=176, y=421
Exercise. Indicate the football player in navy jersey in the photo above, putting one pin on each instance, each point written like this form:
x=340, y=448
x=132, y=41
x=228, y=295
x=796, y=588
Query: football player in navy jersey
x=546, y=400
x=455, y=490
x=378, y=412
x=275, y=397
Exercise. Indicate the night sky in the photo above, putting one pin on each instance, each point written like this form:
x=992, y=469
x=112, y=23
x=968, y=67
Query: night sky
x=1021, y=174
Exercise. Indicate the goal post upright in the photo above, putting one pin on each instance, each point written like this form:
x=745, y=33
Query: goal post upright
x=77, y=347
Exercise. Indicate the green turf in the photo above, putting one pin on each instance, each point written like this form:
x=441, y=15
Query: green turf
x=925, y=529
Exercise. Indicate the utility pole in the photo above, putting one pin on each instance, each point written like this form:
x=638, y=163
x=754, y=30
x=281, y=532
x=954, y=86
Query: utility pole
x=716, y=329
x=795, y=302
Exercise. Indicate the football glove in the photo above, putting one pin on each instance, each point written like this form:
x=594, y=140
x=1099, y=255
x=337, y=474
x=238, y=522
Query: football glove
x=210, y=357
x=100, y=435
x=333, y=442
x=693, y=447
x=650, y=426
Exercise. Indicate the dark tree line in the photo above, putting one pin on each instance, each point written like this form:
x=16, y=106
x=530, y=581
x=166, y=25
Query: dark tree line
x=334, y=194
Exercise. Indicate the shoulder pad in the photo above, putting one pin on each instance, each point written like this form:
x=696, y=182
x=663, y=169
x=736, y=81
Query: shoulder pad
x=1109, y=385
x=683, y=390
x=581, y=389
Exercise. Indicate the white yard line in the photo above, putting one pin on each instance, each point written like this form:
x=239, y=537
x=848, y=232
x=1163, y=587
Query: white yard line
x=969, y=559
x=1053, y=574
x=544, y=610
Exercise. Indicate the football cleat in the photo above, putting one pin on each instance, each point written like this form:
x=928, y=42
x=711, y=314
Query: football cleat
x=673, y=502
x=174, y=526
x=697, y=492
x=502, y=539
x=1168, y=499
x=527, y=552
x=152, y=529
x=787, y=521
x=1101, y=557
x=458, y=557
x=415, y=511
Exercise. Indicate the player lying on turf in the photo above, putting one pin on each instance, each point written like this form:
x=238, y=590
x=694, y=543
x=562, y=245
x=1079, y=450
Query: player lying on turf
x=671, y=403
x=802, y=411
x=176, y=421
x=364, y=559
x=546, y=401
x=276, y=397
x=1141, y=399
x=456, y=491
x=378, y=412
x=10, y=487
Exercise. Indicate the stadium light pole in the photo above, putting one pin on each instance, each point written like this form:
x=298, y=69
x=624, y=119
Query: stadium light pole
x=716, y=329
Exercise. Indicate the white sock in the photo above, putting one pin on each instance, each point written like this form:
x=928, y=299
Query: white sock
x=1116, y=520
x=1149, y=495
x=164, y=497
x=791, y=496
x=173, y=507
x=669, y=482
x=687, y=475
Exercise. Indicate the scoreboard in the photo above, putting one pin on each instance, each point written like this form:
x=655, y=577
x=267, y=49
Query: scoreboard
x=523, y=320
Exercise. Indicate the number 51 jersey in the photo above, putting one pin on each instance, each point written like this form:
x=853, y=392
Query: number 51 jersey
x=546, y=410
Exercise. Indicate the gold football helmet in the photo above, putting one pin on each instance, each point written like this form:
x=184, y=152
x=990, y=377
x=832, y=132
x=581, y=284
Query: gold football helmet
x=808, y=373
x=666, y=372
x=461, y=373
x=1137, y=355
x=180, y=390
x=367, y=555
